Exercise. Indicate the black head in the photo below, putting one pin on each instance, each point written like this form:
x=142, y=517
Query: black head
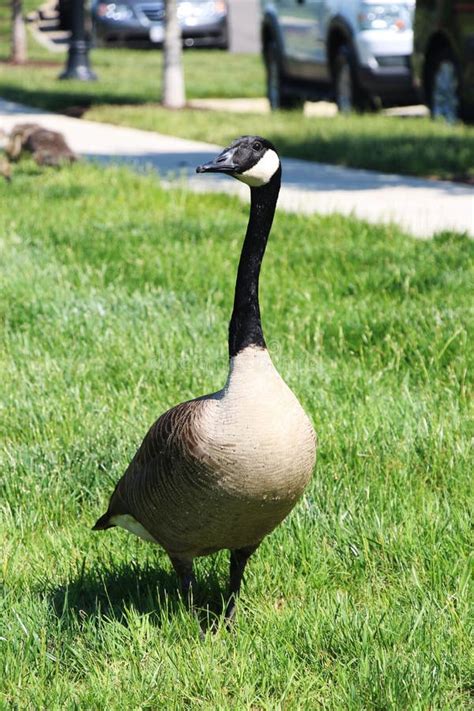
x=251, y=159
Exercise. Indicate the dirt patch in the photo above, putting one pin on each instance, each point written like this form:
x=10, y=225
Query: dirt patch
x=75, y=111
x=30, y=63
x=464, y=178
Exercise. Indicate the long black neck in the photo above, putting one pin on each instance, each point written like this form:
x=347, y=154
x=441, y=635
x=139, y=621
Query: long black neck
x=245, y=328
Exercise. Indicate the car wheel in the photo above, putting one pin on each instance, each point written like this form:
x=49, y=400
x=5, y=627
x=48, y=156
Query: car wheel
x=348, y=94
x=223, y=40
x=276, y=94
x=94, y=38
x=443, y=91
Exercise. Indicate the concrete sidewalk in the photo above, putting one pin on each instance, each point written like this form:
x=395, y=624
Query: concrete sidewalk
x=318, y=109
x=420, y=207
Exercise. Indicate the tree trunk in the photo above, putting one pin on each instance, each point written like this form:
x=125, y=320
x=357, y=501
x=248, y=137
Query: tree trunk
x=19, y=53
x=173, y=96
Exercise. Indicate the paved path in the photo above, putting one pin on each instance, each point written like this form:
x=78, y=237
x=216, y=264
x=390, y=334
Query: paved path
x=421, y=207
x=319, y=109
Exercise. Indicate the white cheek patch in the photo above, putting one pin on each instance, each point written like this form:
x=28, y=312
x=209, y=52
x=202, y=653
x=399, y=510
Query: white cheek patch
x=262, y=172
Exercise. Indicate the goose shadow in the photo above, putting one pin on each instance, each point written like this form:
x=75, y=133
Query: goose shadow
x=111, y=593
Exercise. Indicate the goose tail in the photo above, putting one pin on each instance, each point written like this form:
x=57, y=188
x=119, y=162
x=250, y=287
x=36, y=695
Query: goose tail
x=103, y=523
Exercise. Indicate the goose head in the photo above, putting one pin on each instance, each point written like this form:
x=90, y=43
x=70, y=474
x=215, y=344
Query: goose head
x=251, y=159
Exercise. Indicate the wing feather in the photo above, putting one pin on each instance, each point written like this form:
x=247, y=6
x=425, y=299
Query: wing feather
x=169, y=445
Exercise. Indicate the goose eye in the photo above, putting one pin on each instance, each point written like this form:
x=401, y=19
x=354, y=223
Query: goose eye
x=257, y=146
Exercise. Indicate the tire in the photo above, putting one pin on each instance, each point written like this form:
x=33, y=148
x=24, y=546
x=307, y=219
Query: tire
x=223, y=40
x=443, y=83
x=276, y=94
x=348, y=93
x=95, y=39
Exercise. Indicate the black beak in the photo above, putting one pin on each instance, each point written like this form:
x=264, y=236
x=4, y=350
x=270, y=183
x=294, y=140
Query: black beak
x=224, y=163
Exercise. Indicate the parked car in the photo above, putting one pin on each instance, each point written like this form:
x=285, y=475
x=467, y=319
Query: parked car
x=203, y=22
x=354, y=51
x=444, y=57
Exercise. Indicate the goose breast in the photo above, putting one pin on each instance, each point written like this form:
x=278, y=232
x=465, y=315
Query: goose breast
x=221, y=471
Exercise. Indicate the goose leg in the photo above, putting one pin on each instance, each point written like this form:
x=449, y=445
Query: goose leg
x=238, y=561
x=187, y=579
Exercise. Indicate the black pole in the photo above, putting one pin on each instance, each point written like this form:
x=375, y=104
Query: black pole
x=77, y=65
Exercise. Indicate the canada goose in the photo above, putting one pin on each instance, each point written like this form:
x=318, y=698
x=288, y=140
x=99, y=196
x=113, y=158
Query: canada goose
x=47, y=147
x=223, y=470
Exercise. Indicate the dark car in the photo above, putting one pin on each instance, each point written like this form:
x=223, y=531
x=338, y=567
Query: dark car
x=203, y=22
x=444, y=57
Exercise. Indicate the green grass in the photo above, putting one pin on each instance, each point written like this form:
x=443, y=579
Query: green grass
x=415, y=146
x=131, y=77
x=5, y=23
x=115, y=300
x=4, y=27
x=129, y=83
x=129, y=88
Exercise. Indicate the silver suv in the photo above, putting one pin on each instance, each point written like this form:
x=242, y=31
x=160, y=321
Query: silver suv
x=357, y=53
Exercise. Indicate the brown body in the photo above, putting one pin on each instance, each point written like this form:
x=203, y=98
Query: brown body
x=47, y=147
x=220, y=471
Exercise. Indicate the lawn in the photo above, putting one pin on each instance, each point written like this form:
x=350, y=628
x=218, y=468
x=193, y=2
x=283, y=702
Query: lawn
x=5, y=18
x=129, y=83
x=115, y=300
x=412, y=146
x=129, y=88
x=130, y=77
x=126, y=76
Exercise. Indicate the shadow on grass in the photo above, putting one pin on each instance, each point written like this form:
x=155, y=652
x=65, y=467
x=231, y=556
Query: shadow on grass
x=65, y=96
x=408, y=146
x=147, y=590
x=323, y=178
x=441, y=156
